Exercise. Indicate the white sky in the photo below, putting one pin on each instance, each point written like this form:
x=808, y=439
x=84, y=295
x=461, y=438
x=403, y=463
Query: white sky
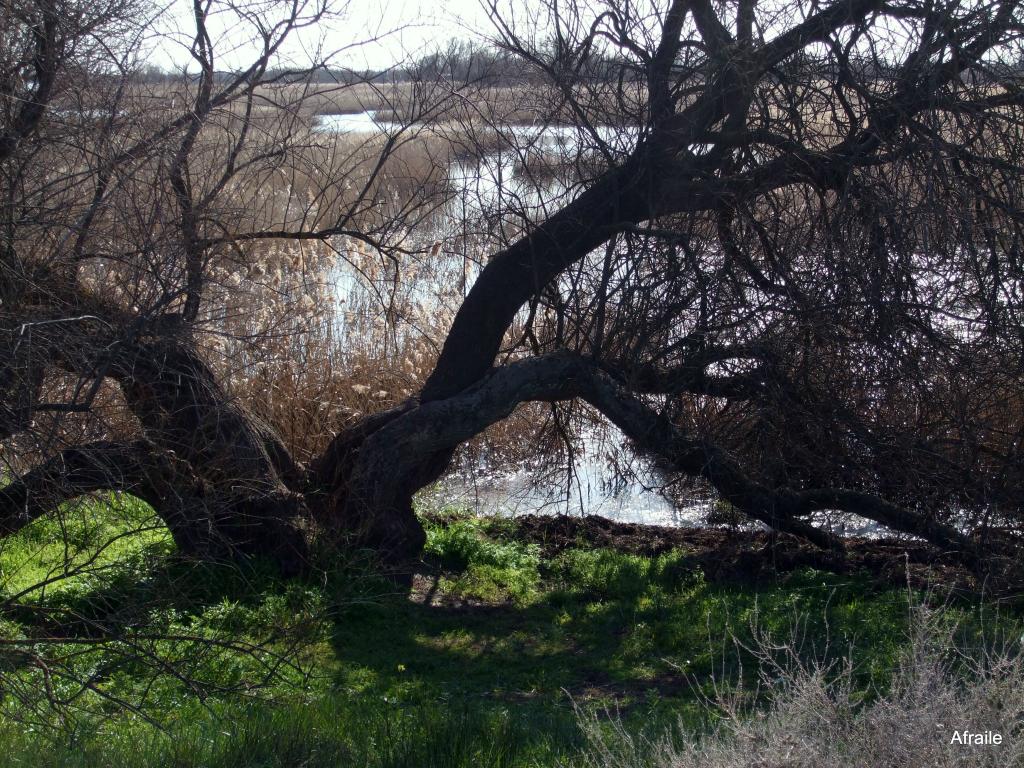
x=401, y=28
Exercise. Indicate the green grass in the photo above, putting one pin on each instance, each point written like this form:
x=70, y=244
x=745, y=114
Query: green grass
x=485, y=568
x=80, y=545
x=328, y=733
x=481, y=662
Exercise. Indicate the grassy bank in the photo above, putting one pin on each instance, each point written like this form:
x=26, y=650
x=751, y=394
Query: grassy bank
x=497, y=651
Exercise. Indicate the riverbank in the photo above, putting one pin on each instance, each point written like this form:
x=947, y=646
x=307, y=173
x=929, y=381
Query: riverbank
x=750, y=555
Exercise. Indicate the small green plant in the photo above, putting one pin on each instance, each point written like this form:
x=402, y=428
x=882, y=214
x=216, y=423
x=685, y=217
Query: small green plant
x=606, y=573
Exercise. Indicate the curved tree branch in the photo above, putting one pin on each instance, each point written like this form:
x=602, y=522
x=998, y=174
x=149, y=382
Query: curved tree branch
x=136, y=467
x=379, y=509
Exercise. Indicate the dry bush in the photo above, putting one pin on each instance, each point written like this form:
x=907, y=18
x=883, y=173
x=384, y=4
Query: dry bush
x=311, y=335
x=311, y=346
x=813, y=718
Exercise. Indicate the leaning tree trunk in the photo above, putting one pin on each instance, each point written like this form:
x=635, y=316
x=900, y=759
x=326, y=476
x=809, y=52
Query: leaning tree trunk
x=358, y=493
x=221, y=479
x=244, y=468
x=138, y=467
x=399, y=448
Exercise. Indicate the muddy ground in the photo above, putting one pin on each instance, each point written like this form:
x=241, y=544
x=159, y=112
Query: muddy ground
x=730, y=554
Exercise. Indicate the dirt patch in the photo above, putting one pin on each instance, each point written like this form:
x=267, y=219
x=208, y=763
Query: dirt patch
x=726, y=555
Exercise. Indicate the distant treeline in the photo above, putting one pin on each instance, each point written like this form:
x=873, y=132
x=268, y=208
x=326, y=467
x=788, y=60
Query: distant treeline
x=464, y=62
x=460, y=62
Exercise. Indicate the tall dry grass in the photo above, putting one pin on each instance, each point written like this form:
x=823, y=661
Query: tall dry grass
x=313, y=334
x=812, y=715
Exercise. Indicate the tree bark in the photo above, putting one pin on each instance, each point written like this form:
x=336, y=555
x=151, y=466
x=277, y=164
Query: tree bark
x=135, y=467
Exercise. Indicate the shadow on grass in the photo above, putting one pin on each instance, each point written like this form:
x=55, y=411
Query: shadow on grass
x=479, y=656
x=129, y=598
x=635, y=635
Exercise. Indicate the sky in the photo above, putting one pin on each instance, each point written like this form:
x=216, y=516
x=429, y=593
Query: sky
x=396, y=28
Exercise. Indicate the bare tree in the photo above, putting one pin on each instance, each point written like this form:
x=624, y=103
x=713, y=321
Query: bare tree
x=783, y=259
x=788, y=266
x=141, y=270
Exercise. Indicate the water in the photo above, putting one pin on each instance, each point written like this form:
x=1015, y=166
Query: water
x=495, y=180
x=522, y=491
x=553, y=137
x=357, y=122
x=553, y=485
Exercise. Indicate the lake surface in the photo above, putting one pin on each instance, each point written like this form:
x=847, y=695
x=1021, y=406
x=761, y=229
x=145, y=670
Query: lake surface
x=550, y=485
